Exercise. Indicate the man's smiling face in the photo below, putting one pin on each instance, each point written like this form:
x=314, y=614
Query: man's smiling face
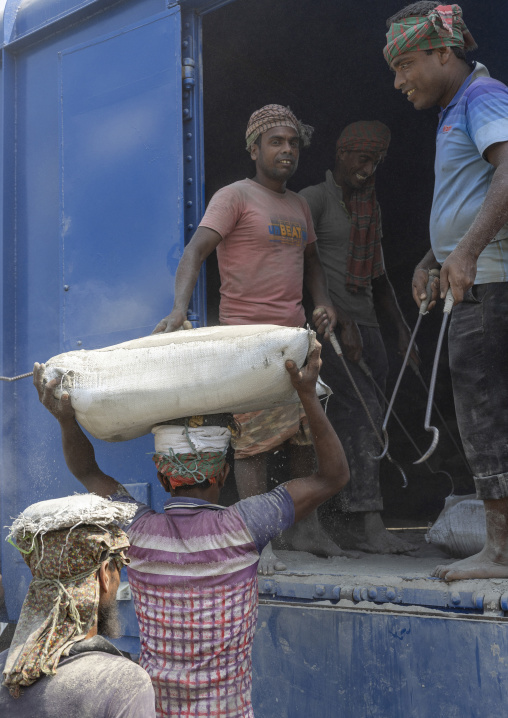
x=354, y=167
x=277, y=155
x=421, y=77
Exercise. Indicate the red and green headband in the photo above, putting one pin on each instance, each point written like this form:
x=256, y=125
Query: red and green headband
x=442, y=27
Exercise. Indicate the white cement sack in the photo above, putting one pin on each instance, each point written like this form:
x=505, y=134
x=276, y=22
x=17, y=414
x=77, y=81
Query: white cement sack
x=69, y=511
x=460, y=528
x=120, y=392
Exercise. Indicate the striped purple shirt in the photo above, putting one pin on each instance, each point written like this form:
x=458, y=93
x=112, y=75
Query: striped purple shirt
x=193, y=574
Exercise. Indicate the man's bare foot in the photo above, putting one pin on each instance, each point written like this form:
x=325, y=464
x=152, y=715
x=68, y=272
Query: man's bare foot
x=308, y=535
x=379, y=540
x=482, y=565
x=365, y=531
x=269, y=563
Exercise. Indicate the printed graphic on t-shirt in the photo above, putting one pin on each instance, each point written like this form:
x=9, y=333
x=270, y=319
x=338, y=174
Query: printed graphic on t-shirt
x=287, y=232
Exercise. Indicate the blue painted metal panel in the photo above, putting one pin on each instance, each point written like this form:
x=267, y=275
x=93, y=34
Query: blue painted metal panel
x=121, y=148
x=194, y=170
x=95, y=116
x=26, y=21
x=329, y=662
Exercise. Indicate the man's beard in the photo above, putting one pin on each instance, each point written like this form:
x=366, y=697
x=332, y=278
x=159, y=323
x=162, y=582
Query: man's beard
x=108, y=620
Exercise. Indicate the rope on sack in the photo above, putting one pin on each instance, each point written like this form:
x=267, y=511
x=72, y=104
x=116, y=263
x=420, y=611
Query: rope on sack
x=15, y=378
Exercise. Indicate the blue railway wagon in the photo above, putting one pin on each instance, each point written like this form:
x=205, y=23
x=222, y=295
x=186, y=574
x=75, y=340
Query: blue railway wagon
x=103, y=131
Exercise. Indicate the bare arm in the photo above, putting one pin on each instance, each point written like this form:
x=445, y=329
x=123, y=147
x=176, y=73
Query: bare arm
x=78, y=452
x=315, y=280
x=202, y=244
x=333, y=471
x=459, y=268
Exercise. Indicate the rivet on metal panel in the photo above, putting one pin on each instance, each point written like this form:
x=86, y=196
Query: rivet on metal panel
x=391, y=594
x=189, y=135
x=189, y=203
x=455, y=598
x=186, y=112
x=185, y=95
x=504, y=602
x=189, y=158
x=269, y=587
x=336, y=593
x=185, y=44
x=319, y=589
x=190, y=227
x=372, y=594
x=79, y=342
x=357, y=596
x=478, y=601
x=66, y=287
x=189, y=180
x=187, y=25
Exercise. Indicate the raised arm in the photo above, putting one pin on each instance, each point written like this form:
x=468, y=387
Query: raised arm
x=202, y=244
x=78, y=452
x=333, y=472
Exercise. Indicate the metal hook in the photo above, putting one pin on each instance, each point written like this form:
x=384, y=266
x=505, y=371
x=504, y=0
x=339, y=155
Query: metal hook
x=443, y=422
x=446, y=313
x=399, y=467
x=423, y=310
x=385, y=450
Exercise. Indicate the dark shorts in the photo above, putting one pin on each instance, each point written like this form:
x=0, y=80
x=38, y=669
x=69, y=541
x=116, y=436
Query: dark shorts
x=478, y=348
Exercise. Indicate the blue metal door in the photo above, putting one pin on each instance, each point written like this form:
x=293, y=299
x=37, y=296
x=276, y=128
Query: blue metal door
x=121, y=184
x=92, y=217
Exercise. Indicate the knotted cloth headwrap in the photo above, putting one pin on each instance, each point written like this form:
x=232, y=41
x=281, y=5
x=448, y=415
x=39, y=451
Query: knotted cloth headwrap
x=63, y=597
x=365, y=255
x=442, y=27
x=275, y=116
x=189, y=456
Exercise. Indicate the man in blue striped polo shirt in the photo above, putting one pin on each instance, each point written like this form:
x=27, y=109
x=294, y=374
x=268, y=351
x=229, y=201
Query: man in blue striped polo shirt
x=193, y=569
x=426, y=44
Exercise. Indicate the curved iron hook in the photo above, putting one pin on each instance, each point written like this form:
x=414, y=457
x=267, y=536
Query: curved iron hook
x=446, y=313
x=399, y=467
x=432, y=447
x=385, y=450
x=423, y=310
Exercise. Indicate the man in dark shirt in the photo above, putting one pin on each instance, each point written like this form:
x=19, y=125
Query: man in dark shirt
x=347, y=222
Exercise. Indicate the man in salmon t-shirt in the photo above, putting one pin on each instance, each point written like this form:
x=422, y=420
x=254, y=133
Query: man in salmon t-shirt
x=266, y=251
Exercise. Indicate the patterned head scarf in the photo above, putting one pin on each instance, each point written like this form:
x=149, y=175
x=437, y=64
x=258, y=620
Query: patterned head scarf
x=442, y=27
x=365, y=136
x=275, y=116
x=62, y=601
x=189, y=456
x=365, y=254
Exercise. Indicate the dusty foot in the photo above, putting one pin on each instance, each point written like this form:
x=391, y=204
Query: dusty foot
x=308, y=535
x=379, y=540
x=269, y=563
x=481, y=565
x=366, y=532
